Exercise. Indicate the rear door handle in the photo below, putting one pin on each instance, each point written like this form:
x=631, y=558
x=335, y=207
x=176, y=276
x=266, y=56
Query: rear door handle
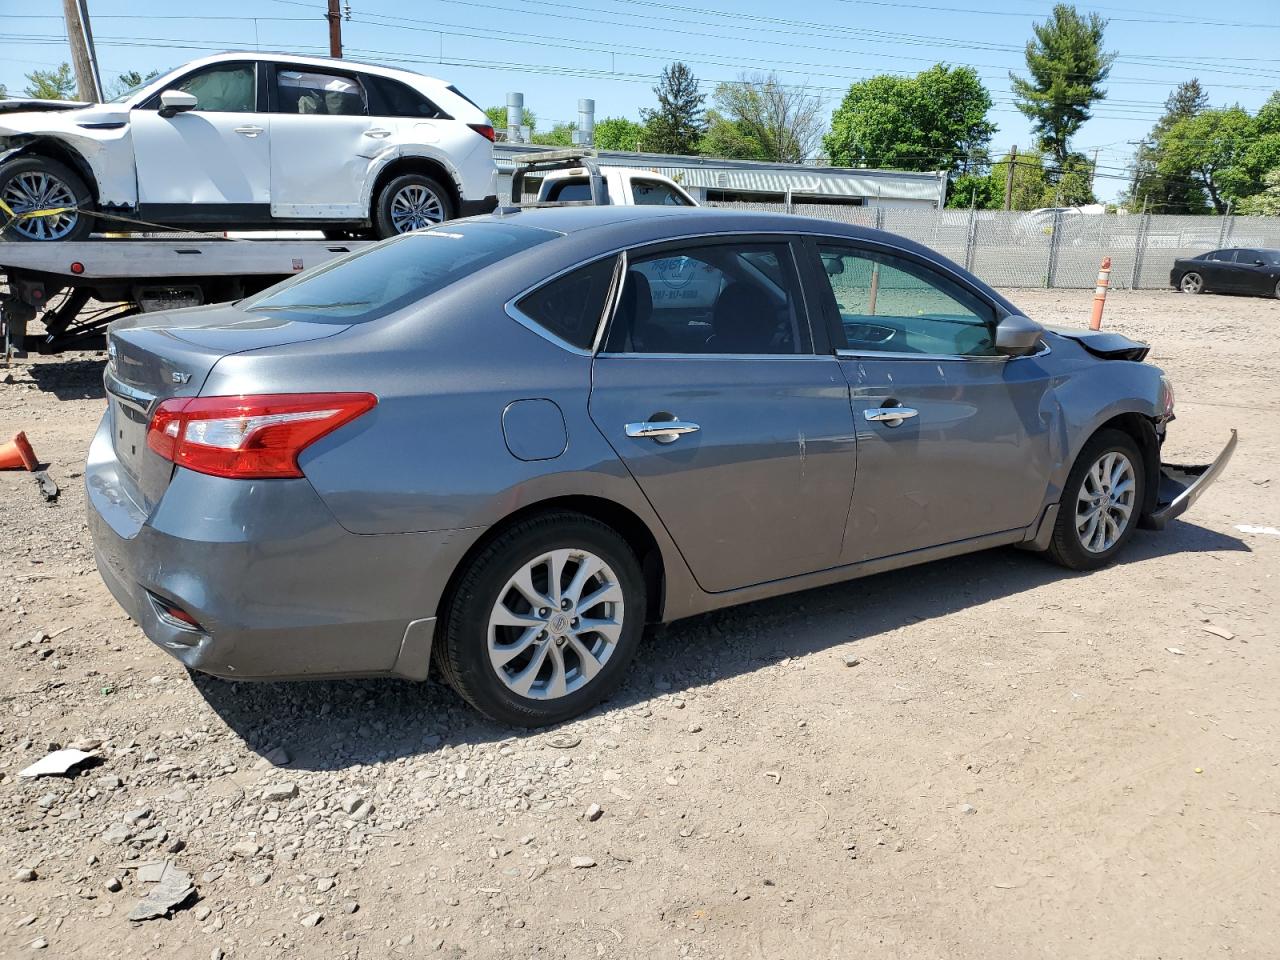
x=249, y=130
x=378, y=133
x=663, y=431
x=889, y=416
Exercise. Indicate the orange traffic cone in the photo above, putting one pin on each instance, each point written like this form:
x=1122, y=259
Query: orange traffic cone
x=18, y=453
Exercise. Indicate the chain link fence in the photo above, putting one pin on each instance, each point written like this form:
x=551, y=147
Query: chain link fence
x=1051, y=249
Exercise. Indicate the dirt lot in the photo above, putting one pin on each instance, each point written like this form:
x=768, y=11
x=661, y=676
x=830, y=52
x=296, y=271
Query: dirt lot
x=1024, y=763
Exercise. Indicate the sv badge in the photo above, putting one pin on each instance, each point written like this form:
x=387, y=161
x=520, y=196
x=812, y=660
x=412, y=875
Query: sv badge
x=179, y=377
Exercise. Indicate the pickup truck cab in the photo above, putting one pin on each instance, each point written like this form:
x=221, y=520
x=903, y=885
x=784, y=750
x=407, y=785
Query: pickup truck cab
x=624, y=187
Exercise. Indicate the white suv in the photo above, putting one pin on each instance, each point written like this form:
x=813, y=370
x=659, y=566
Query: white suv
x=252, y=141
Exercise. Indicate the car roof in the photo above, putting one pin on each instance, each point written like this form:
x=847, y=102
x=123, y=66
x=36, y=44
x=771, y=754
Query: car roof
x=304, y=61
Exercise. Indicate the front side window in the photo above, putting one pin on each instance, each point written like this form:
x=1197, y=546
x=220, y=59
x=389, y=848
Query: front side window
x=570, y=306
x=312, y=92
x=384, y=278
x=730, y=298
x=223, y=88
x=894, y=305
x=651, y=193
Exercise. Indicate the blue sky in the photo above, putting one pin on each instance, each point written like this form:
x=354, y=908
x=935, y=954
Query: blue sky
x=555, y=51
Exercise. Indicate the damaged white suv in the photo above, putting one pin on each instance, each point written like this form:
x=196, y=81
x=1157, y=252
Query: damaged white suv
x=251, y=141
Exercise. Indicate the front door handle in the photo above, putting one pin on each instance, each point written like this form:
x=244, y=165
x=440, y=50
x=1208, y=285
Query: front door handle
x=249, y=130
x=889, y=416
x=377, y=133
x=663, y=431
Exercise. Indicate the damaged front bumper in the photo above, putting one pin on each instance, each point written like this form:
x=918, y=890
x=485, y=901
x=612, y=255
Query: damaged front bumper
x=1181, y=485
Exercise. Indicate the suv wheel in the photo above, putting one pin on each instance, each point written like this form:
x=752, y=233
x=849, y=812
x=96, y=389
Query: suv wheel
x=1102, y=501
x=411, y=202
x=543, y=623
x=37, y=183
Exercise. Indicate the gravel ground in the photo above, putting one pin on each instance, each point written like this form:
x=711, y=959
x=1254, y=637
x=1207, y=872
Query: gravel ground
x=985, y=757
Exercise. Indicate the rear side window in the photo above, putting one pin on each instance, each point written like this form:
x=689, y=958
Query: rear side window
x=391, y=98
x=313, y=92
x=570, y=307
x=384, y=278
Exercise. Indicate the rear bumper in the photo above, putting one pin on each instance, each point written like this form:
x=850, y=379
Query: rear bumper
x=279, y=589
x=1181, y=485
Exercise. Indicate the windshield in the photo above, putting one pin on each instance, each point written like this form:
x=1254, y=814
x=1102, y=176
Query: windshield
x=383, y=278
x=139, y=87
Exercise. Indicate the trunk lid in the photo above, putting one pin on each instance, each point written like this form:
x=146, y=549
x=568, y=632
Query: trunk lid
x=154, y=357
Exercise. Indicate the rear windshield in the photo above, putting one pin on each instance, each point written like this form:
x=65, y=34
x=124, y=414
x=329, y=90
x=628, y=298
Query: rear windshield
x=380, y=280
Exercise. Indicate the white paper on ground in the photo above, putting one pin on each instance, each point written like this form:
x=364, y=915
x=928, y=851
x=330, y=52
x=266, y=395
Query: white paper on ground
x=56, y=763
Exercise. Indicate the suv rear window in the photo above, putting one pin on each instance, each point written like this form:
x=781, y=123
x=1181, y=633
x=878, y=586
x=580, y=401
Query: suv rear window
x=391, y=98
x=380, y=280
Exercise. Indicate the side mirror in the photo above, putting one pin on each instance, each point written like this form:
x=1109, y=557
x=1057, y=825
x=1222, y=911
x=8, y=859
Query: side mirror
x=1017, y=336
x=1259, y=263
x=176, y=101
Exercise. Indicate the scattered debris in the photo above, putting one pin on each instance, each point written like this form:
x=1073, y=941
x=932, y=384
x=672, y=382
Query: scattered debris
x=582, y=863
x=1176, y=652
x=56, y=764
x=24, y=875
x=564, y=741
x=850, y=660
x=774, y=775
x=312, y=919
x=280, y=791
x=48, y=488
x=967, y=808
x=1222, y=632
x=594, y=812
x=1261, y=531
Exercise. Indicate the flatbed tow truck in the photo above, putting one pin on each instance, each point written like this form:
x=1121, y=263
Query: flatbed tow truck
x=78, y=288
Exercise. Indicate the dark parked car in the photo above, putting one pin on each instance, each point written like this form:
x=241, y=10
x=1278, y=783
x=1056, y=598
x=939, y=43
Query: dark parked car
x=1237, y=270
x=510, y=442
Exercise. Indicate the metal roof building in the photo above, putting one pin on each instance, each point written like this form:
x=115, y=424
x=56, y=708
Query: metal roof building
x=711, y=179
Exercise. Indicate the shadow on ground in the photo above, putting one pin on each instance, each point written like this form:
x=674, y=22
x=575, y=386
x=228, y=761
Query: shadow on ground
x=70, y=379
x=327, y=725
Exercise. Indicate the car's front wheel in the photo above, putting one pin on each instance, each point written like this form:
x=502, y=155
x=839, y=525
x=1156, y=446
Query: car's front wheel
x=544, y=621
x=1191, y=282
x=1101, y=502
x=35, y=183
x=410, y=202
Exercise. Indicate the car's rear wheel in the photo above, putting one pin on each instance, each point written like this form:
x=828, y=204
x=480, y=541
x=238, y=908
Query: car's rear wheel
x=544, y=621
x=410, y=202
x=37, y=183
x=1191, y=282
x=1101, y=502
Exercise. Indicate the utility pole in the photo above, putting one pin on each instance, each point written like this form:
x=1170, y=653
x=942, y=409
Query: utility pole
x=87, y=85
x=1008, y=179
x=335, y=30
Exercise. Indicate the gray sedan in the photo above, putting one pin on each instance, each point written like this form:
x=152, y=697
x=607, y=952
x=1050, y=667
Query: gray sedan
x=508, y=443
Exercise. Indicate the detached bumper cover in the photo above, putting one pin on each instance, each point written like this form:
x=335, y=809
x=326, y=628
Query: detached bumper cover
x=1181, y=486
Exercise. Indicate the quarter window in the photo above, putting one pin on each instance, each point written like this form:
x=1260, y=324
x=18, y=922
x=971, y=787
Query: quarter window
x=223, y=88
x=893, y=305
x=391, y=98
x=740, y=298
x=570, y=307
x=312, y=92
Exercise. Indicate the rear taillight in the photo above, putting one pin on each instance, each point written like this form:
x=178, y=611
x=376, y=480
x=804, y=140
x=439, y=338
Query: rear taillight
x=249, y=437
x=484, y=130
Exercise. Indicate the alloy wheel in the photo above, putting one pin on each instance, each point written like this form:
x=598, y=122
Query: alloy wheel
x=415, y=206
x=1104, y=505
x=555, y=624
x=1192, y=283
x=35, y=190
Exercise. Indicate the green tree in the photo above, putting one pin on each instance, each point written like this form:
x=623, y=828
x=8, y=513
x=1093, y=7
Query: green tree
x=4, y=91
x=1267, y=202
x=498, y=118
x=619, y=133
x=57, y=84
x=1211, y=149
x=1067, y=66
x=676, y=125
x=724, y=138
x=977, y=190
x=936, y=120
x=127, y=81
x=1171, y=191
x=784, y=120
x=560, y=135
x=1031, y=185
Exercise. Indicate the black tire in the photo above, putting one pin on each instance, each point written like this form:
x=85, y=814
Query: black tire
x=69, y=183
x=461, y=649
x=1066, y=547
x=384, y=224
x=1191, y=282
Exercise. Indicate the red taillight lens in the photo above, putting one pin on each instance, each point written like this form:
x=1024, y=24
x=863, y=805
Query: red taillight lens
x=249, y=437
x=484, y=130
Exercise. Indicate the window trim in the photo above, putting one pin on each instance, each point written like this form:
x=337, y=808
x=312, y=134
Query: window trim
x=803, y=306
x=831, y=311
x=152, y=103
x=273, y=94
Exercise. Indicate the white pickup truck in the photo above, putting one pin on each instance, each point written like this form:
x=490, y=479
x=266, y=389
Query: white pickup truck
x=623, y=186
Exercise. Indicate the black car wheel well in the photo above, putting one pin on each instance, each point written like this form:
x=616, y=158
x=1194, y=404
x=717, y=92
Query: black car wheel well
x=427, y=167
x=627, y=525
x=59, y=152
x=1143, y=431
